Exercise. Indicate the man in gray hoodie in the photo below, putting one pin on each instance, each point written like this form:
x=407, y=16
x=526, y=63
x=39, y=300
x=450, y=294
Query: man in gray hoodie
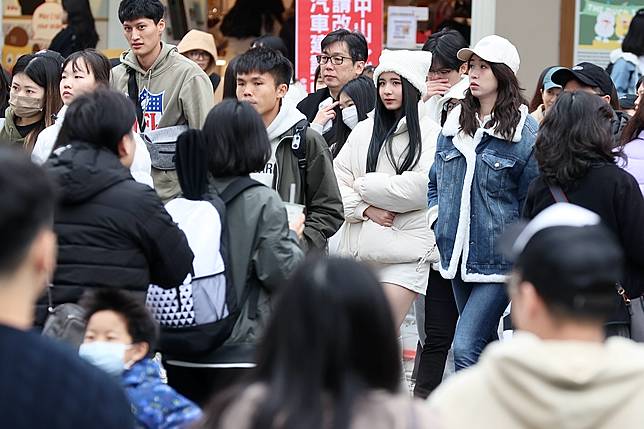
x=560, y=371
x=172, y=93
x=302, y=168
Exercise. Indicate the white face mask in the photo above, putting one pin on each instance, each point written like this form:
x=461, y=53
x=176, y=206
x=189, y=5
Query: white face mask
x=110, y=357
x=350, y=116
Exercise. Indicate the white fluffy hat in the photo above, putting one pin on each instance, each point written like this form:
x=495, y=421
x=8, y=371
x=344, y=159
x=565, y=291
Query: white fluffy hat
x=412, y=65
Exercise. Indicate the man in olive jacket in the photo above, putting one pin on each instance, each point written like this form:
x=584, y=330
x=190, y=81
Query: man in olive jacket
x=263, y=76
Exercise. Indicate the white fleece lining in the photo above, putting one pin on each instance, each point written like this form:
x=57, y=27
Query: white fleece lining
x=467, y=146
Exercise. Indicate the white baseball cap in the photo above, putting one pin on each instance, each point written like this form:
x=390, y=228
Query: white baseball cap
x=493, y=49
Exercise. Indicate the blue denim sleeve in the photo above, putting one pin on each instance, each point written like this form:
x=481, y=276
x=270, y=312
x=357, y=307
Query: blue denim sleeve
x=621, y=76
x=432, y=188
x=530, y=172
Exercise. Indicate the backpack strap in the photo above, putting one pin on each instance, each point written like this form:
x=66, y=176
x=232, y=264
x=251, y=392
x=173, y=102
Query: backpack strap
x=237, y=187
x=558, y=194
x=133, y=94
x=298, y=146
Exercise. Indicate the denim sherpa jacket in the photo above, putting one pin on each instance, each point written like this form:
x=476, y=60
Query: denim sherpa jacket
x=477, y=186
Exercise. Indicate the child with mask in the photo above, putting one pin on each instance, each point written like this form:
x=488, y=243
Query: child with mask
x=120, y=339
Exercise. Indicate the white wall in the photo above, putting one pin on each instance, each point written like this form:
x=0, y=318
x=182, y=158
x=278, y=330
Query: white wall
x=533, y=27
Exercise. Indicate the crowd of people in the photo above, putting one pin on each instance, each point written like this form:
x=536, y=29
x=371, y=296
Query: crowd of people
x=243, y=255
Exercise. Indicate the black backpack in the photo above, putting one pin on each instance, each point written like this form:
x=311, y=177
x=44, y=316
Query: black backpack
x=174, y=309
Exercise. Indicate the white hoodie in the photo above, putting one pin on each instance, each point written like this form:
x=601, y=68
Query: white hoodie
x=141, y=165
x=531, y=383
x=286, y=119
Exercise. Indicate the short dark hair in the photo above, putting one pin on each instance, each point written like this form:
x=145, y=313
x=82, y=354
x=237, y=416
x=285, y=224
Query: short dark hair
x=239, y=148
x=358, y=47
x=265, y=60
x=100, y=118
x=572, y=137
x=580, y=285
x=98, y=64
x=130, y=10
x=273, y=42
x=141, y=326
x=28, y=200
x=444, y=46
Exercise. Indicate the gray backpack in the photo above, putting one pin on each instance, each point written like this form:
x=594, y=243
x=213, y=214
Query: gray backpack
x=66, y=322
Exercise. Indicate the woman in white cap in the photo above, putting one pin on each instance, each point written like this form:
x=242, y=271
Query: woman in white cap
x=382, y=172
x=484, y=164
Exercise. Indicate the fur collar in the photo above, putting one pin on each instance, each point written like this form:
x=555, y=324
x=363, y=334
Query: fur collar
x=453, y=127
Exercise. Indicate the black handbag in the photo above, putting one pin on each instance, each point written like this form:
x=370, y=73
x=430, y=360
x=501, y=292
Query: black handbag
x=65, y=322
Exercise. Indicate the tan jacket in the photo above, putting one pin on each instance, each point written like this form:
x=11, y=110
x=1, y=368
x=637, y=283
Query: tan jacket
x=410, y=238
x=379, y=410
x=535, y=384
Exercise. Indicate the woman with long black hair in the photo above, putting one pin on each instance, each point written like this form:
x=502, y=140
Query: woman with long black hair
x=80, y=31
x=484, y=164
x=382, y=173
x=346, y=374
x=576, y=155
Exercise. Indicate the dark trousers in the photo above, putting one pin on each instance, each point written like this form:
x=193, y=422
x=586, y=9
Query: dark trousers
x=201, y=384
x=441, y=316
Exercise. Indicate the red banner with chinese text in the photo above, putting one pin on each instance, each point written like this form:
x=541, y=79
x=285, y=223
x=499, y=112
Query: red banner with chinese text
x=316, y=18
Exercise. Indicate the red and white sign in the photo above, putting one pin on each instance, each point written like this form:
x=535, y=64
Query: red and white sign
x=316, y=18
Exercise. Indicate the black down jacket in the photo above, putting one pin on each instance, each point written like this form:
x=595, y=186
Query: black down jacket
x=112, y=231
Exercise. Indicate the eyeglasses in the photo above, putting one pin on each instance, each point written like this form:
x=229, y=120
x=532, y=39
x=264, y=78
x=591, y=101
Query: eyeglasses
x=441, y=72
x=197, y=55
x=336, y=59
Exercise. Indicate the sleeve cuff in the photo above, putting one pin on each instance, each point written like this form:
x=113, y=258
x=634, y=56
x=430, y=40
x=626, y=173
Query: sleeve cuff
x=360, y=209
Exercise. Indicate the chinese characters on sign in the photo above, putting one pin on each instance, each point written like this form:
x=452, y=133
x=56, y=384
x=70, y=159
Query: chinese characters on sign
x=316, y=18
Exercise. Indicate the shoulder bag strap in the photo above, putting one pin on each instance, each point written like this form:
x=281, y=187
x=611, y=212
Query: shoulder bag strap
x=558, y=194
x=133, y=94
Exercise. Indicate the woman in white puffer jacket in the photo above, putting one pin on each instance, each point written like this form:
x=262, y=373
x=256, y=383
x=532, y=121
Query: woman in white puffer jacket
x=382, y=172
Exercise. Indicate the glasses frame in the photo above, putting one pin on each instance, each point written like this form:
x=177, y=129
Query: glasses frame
x=336, y=60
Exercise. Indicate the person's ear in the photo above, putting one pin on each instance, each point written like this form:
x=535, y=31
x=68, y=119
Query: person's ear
x=161, y=26
x=43, y=255
x=125, y=146
x=282, y=89
x=358, y=67
x=462, y=69
x=606, y=98
x=136, y=352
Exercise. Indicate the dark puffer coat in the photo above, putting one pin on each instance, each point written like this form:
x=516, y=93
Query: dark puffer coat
x=112, y=231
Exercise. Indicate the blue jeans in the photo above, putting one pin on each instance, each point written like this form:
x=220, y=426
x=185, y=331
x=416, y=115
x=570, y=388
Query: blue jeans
x=480, y=306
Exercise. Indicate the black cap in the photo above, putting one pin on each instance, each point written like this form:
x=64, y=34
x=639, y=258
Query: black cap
x=588, y=74
x=627, y=101
x=568, y=255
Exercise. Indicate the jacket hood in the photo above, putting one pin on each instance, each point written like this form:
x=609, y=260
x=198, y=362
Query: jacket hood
x=197, y=39
x=286, y=119
x=452, y=125
x=82, y=171
x=563, y=384
x=159, y=66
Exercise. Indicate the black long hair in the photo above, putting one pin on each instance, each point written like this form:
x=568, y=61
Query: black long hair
x=634, y=39
x=353, y=351
x=192, y=165
x=505, y=115
x=81, y=20
x=5, y=87
x=230, y=79
x=362, y=92
x=635, y=125
x=573, y=137
x=384, y=125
